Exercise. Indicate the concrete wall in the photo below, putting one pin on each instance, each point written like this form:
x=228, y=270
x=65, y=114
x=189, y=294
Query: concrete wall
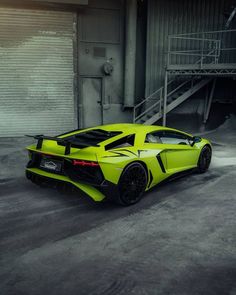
x=101, y=56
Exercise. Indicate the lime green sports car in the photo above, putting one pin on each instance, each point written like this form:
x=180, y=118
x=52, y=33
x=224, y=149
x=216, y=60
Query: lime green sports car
x=117, y=161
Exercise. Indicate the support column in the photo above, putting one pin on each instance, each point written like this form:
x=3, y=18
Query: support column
x=208, y=108
x=165, y=99
x=130, y=53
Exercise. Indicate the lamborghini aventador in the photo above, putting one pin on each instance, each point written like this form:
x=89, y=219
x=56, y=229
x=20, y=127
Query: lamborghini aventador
x=117, y=161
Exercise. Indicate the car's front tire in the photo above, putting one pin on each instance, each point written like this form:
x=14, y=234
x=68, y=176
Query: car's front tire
x=132, y=184
x=204, y=159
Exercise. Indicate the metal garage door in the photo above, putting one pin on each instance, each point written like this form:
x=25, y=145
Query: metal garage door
x=36, y=72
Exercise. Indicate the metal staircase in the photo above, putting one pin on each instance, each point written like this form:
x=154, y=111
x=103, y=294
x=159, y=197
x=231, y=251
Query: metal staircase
x=151, y=109
x=194, y=60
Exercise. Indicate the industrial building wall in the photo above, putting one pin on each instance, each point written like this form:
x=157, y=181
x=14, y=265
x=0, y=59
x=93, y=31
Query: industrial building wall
x=101, y=63
x=175, y=17
x=61, y=65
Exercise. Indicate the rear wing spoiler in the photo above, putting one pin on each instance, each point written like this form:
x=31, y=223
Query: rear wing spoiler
x=63, y=141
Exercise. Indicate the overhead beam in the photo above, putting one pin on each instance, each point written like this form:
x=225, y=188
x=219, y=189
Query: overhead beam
x=78, y=2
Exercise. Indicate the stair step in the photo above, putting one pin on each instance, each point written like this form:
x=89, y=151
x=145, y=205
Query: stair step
x=152, y=114
x=182, y=92
x=170, y=99
x=174, y=96
x=173, y=101
x=187, y=94
x=178, y=94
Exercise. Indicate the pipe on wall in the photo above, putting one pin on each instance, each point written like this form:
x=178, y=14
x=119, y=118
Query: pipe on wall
x=130, y=53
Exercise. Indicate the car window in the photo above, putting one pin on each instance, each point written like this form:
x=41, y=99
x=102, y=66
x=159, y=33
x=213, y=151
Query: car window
x=153, y=137
x=122, y=142
x=168, y=137
x=93, y=137
x=172, y=137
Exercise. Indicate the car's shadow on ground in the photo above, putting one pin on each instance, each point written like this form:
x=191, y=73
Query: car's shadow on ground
x=154, y=196
x=45, y=215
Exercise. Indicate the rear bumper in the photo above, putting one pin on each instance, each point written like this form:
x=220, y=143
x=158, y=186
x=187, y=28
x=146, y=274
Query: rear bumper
x=98, y=193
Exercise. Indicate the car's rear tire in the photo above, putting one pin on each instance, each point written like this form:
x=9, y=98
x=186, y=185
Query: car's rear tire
x=204, y=159
x=132, y=184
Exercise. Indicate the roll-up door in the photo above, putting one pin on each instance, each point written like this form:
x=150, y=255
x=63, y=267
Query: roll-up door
x=36, y=72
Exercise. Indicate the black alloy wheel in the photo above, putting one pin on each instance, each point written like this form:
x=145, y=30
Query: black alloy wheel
x=204, y=159
x=132, y=184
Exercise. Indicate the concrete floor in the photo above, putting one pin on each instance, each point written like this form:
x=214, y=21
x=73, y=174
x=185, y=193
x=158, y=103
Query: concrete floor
x=180, y=239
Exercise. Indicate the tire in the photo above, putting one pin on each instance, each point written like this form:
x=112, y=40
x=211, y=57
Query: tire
x=132, y=184
x=204, y=159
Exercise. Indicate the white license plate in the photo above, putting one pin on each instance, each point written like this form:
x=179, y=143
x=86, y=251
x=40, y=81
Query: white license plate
x=51, y=165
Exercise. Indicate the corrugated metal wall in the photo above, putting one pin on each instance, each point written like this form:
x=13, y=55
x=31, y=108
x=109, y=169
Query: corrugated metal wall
x=175, y=17
x=36, y=72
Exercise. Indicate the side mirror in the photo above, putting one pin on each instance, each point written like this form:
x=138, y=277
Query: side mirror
x=196, y=139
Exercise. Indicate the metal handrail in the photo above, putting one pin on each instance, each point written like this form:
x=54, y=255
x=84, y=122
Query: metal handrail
x=192, y=54
x=160, y=98
x=201, y=33
x=143, y=102
x=177, y=88
x=202, y=51
x=147, y=110
x=215, y=50
x=207, y=56
x=191, y=50
x=228, y=49
x=197, y=39
x=155, y=92
x=146, y=99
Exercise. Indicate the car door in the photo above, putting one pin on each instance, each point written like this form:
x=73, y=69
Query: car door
x=180, y=155
x=155, y=156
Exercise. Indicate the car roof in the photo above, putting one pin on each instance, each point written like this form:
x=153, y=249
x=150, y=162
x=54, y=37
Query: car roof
x=125, y=127
x=129, y=127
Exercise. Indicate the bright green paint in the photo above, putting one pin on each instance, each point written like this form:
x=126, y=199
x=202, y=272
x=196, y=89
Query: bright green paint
x=91, y=191
x=176, y=158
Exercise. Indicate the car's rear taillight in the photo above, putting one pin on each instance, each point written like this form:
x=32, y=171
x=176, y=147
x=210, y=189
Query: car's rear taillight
x=84, y=163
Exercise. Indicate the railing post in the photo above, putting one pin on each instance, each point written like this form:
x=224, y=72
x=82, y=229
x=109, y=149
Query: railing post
x=219, y=50
x=168, y=52
x=134, y=114
x=165, y=98
x=216, y=51
x=192, y=83
x=160, y=99
x=202, y=50
x=209, y=102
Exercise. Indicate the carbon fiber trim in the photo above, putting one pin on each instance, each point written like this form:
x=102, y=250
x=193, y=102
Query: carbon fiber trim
x=161, y=163
x=151, y=178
